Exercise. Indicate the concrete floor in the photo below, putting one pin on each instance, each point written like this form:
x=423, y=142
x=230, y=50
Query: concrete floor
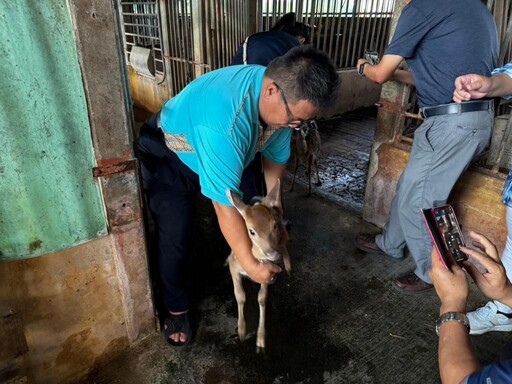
x=336, y=319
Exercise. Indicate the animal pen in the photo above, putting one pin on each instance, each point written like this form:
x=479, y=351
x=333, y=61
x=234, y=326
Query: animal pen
x=74, y=277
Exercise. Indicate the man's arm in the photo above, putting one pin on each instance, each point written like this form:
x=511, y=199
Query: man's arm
x=472, y=86
x=233, y=228
x=456, y=355
x=386, y=70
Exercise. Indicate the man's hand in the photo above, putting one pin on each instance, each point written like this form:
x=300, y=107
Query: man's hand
x=263, y=273
x=451, y=285
x=233, y=228
x=493, y=283
x=469, y=87
x=361, y=61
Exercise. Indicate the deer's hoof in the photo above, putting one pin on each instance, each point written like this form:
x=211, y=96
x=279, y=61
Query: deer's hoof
x=260, y=350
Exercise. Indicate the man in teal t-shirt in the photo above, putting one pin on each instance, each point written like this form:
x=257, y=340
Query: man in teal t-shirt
x=202, y=140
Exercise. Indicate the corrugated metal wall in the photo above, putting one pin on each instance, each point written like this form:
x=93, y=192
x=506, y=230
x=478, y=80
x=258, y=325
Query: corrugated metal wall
x=49, y=198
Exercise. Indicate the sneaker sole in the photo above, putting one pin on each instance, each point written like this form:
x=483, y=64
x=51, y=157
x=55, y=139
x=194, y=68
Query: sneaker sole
x=496, y=328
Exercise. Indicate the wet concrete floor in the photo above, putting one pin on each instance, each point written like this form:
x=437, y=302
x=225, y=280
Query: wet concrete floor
x=335, y=319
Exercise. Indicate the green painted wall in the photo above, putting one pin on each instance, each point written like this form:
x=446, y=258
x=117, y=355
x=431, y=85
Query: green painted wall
x=48, y=197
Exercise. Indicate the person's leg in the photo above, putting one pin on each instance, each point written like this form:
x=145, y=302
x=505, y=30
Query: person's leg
x=495, y=316
x=454, y=141
x=171, y=189
x=411, y=183
x=249, y=184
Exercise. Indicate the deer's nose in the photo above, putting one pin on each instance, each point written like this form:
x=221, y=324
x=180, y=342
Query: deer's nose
x=273, y=256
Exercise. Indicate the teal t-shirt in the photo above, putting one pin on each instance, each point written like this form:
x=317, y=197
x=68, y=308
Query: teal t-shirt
x=213, y=127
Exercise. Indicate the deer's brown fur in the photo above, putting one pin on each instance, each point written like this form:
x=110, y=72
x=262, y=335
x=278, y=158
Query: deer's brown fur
x=264, y=222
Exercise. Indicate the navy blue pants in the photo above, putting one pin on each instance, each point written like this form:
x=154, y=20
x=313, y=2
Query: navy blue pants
x=171, y=190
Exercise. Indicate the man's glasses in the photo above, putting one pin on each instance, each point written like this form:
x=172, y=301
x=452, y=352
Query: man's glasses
x=292, y=121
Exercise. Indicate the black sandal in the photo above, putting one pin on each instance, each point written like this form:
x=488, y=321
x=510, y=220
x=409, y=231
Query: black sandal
x=177, y=324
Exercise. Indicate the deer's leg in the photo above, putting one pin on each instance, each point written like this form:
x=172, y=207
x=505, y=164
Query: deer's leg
x=294, y=172
x=310, y=161
x=286, y=261
x=262, y=301
x=318, y=181
x=240, y=298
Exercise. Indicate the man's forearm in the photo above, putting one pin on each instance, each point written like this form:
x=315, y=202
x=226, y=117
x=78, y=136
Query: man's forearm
x=500, y=85
x=457, y=358
x=403, y=76
x=456, y=355
x=233, y=228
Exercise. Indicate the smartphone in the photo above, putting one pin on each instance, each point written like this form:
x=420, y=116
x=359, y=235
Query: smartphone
x=446, y=234
x=372, y=56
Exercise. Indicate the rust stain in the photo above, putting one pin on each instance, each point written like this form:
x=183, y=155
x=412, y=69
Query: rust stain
x=114, y=161
x=389, y=106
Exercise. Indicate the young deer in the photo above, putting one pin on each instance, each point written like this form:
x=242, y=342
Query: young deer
x=306, y=146
x=264, y=222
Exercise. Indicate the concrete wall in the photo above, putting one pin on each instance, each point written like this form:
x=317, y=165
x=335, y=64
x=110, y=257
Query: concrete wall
x=354, y=93
x=62, y=312
x=146, y=93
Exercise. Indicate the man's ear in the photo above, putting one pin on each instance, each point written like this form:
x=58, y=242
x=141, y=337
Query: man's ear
x=302, y=39
x=269, y=89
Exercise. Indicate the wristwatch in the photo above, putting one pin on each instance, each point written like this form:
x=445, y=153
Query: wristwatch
x=361, y=69
x=452, y=316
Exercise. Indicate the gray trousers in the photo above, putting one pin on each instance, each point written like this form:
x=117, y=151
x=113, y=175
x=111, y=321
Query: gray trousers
x=443, y=148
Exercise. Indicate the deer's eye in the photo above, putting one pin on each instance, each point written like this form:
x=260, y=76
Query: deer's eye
x=252, y=232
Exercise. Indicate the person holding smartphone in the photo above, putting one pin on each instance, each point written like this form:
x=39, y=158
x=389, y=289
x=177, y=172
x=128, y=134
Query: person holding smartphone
x=495, y=315
x=457, y=359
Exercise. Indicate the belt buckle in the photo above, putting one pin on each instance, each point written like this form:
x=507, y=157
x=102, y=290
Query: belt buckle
x=421, y=112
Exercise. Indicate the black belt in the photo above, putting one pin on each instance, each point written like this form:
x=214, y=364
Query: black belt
x=469, y=106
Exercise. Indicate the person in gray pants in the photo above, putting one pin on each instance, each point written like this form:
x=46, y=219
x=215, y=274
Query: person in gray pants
x=433, y=36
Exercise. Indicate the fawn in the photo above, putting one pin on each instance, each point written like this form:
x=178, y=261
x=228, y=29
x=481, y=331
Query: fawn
x=306, y=146
x=264, y=222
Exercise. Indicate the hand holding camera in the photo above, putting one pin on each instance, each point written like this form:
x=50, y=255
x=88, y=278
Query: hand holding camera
x=371, y=56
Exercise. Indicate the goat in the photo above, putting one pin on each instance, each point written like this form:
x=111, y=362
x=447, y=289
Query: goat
x=306, y=146
x=264, y=223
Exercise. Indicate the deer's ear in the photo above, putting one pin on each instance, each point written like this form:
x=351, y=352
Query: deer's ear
x=273, y=198
x=236, y=201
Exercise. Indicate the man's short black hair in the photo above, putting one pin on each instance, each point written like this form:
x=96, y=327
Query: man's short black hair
x=305, y=73
x=288, y=24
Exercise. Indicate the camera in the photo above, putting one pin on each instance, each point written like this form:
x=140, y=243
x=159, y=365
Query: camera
x=371, y=56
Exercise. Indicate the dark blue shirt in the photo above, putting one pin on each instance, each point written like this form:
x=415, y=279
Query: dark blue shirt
x=442, y=40
x=262, y=47
x=492, y=374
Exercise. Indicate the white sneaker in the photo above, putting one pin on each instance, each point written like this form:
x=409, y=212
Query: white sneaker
x=489, y=318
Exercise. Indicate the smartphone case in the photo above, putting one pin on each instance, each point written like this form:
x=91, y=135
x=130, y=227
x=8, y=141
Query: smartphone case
x=443, y=226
